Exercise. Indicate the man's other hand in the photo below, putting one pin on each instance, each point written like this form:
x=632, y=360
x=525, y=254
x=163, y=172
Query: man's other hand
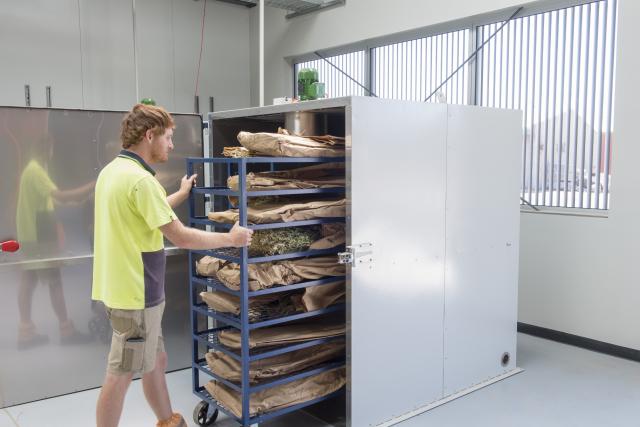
x=187, y=183
x=240, y=236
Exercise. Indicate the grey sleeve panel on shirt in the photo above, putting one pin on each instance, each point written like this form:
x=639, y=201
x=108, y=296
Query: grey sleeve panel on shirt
x=154, y=271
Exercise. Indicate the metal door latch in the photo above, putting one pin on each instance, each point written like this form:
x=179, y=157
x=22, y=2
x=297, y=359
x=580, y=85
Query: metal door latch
x=357, y=254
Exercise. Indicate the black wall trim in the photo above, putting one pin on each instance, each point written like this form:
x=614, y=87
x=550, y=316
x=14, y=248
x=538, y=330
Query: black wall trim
x=578, y=341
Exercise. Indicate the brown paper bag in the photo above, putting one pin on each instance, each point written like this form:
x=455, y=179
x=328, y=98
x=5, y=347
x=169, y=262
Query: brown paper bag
x=283, y=334
x=268, y=274
x=230, y=369
x=281, y=396
x=279, y=145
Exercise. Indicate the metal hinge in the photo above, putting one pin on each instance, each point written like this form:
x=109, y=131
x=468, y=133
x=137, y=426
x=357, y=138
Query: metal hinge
x=357, y=254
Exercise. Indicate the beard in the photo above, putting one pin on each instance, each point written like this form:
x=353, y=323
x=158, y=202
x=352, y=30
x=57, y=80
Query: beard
x=159, y=155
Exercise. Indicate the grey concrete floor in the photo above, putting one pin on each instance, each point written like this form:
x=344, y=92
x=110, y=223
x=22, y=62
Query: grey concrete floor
x=562, y=386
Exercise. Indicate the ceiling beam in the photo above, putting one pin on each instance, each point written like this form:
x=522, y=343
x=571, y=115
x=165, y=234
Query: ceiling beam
x=239, y=2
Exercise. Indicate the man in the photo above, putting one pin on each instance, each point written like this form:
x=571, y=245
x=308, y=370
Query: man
x=132, y=213
x=40, y=236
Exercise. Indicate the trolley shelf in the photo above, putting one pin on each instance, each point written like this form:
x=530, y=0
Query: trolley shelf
x=234, y=256
x=205, y=221
x=203, y=367
x=236, y=321
x=214, y=283
x=209, y=338
x=224, y=191
x=265, y=159
x=204, y=395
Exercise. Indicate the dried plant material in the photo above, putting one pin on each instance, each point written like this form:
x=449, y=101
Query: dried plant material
x=237, y=152
x=279, y=241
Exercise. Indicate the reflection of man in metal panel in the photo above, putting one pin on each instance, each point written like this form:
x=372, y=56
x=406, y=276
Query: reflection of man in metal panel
x=132, y=213
x=40, y=236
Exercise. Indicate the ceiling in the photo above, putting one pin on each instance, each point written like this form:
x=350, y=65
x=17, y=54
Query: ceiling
x=295, y=7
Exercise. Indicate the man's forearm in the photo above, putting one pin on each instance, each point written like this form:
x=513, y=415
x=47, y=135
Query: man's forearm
x=176, y=199
x=74, y=194
x=192, y=238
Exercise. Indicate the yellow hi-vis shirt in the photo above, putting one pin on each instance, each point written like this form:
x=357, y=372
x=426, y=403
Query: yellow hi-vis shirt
x=34, y=198
x=129, y=260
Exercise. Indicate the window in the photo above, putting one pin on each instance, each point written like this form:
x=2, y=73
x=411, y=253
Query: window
x=557, y=67
x=413, y=69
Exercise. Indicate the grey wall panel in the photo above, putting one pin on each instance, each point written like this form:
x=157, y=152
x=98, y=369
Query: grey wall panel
x=224, y=68
x=49, y=279
x=108, y=70
x=397, y=182
x=39, y=46
x=154, y=51
x=483, y=223
x=86, y=51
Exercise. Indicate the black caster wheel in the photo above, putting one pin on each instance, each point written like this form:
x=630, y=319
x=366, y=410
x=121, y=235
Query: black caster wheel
x=201, y=414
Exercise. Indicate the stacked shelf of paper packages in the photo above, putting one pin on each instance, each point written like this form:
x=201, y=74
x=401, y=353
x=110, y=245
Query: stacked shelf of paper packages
x=276, y=241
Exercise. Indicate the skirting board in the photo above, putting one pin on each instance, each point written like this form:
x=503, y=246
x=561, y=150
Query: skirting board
x=578, y=341
x=448, y=399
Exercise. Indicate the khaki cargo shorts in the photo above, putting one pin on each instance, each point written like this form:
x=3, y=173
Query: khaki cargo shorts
x=136, y=339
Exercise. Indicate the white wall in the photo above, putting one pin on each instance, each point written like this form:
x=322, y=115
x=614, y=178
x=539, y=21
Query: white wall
x=85, y=50
x=277, y=79
x=582, y=275
x=577, y=275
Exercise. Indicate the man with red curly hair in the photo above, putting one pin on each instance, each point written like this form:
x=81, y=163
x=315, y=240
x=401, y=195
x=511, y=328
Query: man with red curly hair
x=132, y=214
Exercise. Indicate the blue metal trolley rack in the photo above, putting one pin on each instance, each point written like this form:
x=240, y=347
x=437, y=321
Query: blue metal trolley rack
x=206, y=412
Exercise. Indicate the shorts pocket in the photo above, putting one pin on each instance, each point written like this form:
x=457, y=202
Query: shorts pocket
x=120, y=323
x=133, y=355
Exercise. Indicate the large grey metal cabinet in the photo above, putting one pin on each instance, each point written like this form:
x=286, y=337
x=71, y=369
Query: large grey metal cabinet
x=433, y=198
x=51, y=277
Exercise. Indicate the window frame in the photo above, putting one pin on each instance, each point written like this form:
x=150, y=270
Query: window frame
x=472, y=24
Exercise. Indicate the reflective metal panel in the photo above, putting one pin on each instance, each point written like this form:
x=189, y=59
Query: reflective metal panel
x=483, y=225
x=52, y=330
x=396, y=179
